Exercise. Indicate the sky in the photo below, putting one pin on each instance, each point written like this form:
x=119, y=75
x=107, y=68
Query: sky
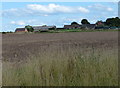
x=19, y=14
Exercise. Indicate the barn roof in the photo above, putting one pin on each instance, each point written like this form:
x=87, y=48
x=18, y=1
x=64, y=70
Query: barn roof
x=67, y=25
x=74, y=25
x=89, y=25
x=37, y=28
x=20, y=29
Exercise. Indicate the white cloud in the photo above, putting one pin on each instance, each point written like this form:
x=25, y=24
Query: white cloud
x=18, y=22
x=31, y=21
x=12, y=22
x=27, y=22
x=12, y=9
x=45, y=15
x=43, y=10
x=50, y=8
x=84, y=10
x=100, y=7
x=54, y=8
x=65, y=23
x=109, y=9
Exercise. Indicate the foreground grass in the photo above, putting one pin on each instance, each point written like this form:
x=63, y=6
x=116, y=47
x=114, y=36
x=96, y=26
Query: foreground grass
x=0, y=73
x=65, y=66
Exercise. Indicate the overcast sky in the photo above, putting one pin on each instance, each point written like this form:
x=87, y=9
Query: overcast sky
x=19, y=14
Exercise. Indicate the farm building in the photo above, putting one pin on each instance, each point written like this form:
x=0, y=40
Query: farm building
x=74, y=26
x=77, y=26
x=43, y=28
x=88, y=26
x=100, y=23
x=21, y=30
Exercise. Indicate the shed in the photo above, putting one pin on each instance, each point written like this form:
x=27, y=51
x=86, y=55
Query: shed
x=43, y=28
x=21, y=30
x=88, y=26
x=74, y=26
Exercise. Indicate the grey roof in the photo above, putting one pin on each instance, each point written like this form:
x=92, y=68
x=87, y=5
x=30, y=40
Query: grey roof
x=72, y=26
x=90, y=26
x=37, y=28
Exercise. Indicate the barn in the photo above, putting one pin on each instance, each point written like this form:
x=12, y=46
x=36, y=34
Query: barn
x=88, y=26
x=43, y=28
x=73, y=26
x=21, y=30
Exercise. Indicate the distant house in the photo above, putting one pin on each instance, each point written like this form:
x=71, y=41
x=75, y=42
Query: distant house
x=21, y=30
x=43, y=28
x=78, y=26
x=67, y=27
x=74, y=26
x=100, y=23
x=88, y=26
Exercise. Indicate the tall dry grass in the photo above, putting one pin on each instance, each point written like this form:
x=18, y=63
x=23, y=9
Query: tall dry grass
x=0, y=73
x=65, y=65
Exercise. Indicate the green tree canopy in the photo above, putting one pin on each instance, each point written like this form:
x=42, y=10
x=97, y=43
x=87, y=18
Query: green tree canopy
x=113, y=22
x=29, y=28
x=44, y=25
x=74, y=23
x=85, y=21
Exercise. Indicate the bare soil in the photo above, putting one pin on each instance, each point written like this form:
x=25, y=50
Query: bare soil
x=20, y=46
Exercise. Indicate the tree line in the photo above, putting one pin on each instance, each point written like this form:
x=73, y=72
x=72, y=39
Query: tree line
x=112, y=22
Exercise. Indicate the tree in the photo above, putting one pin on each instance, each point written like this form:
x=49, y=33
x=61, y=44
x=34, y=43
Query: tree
x=29, y=28
x=44, y=25
x=74, y=23
x=113, y=22
x=85, y=21
x=3, y=32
